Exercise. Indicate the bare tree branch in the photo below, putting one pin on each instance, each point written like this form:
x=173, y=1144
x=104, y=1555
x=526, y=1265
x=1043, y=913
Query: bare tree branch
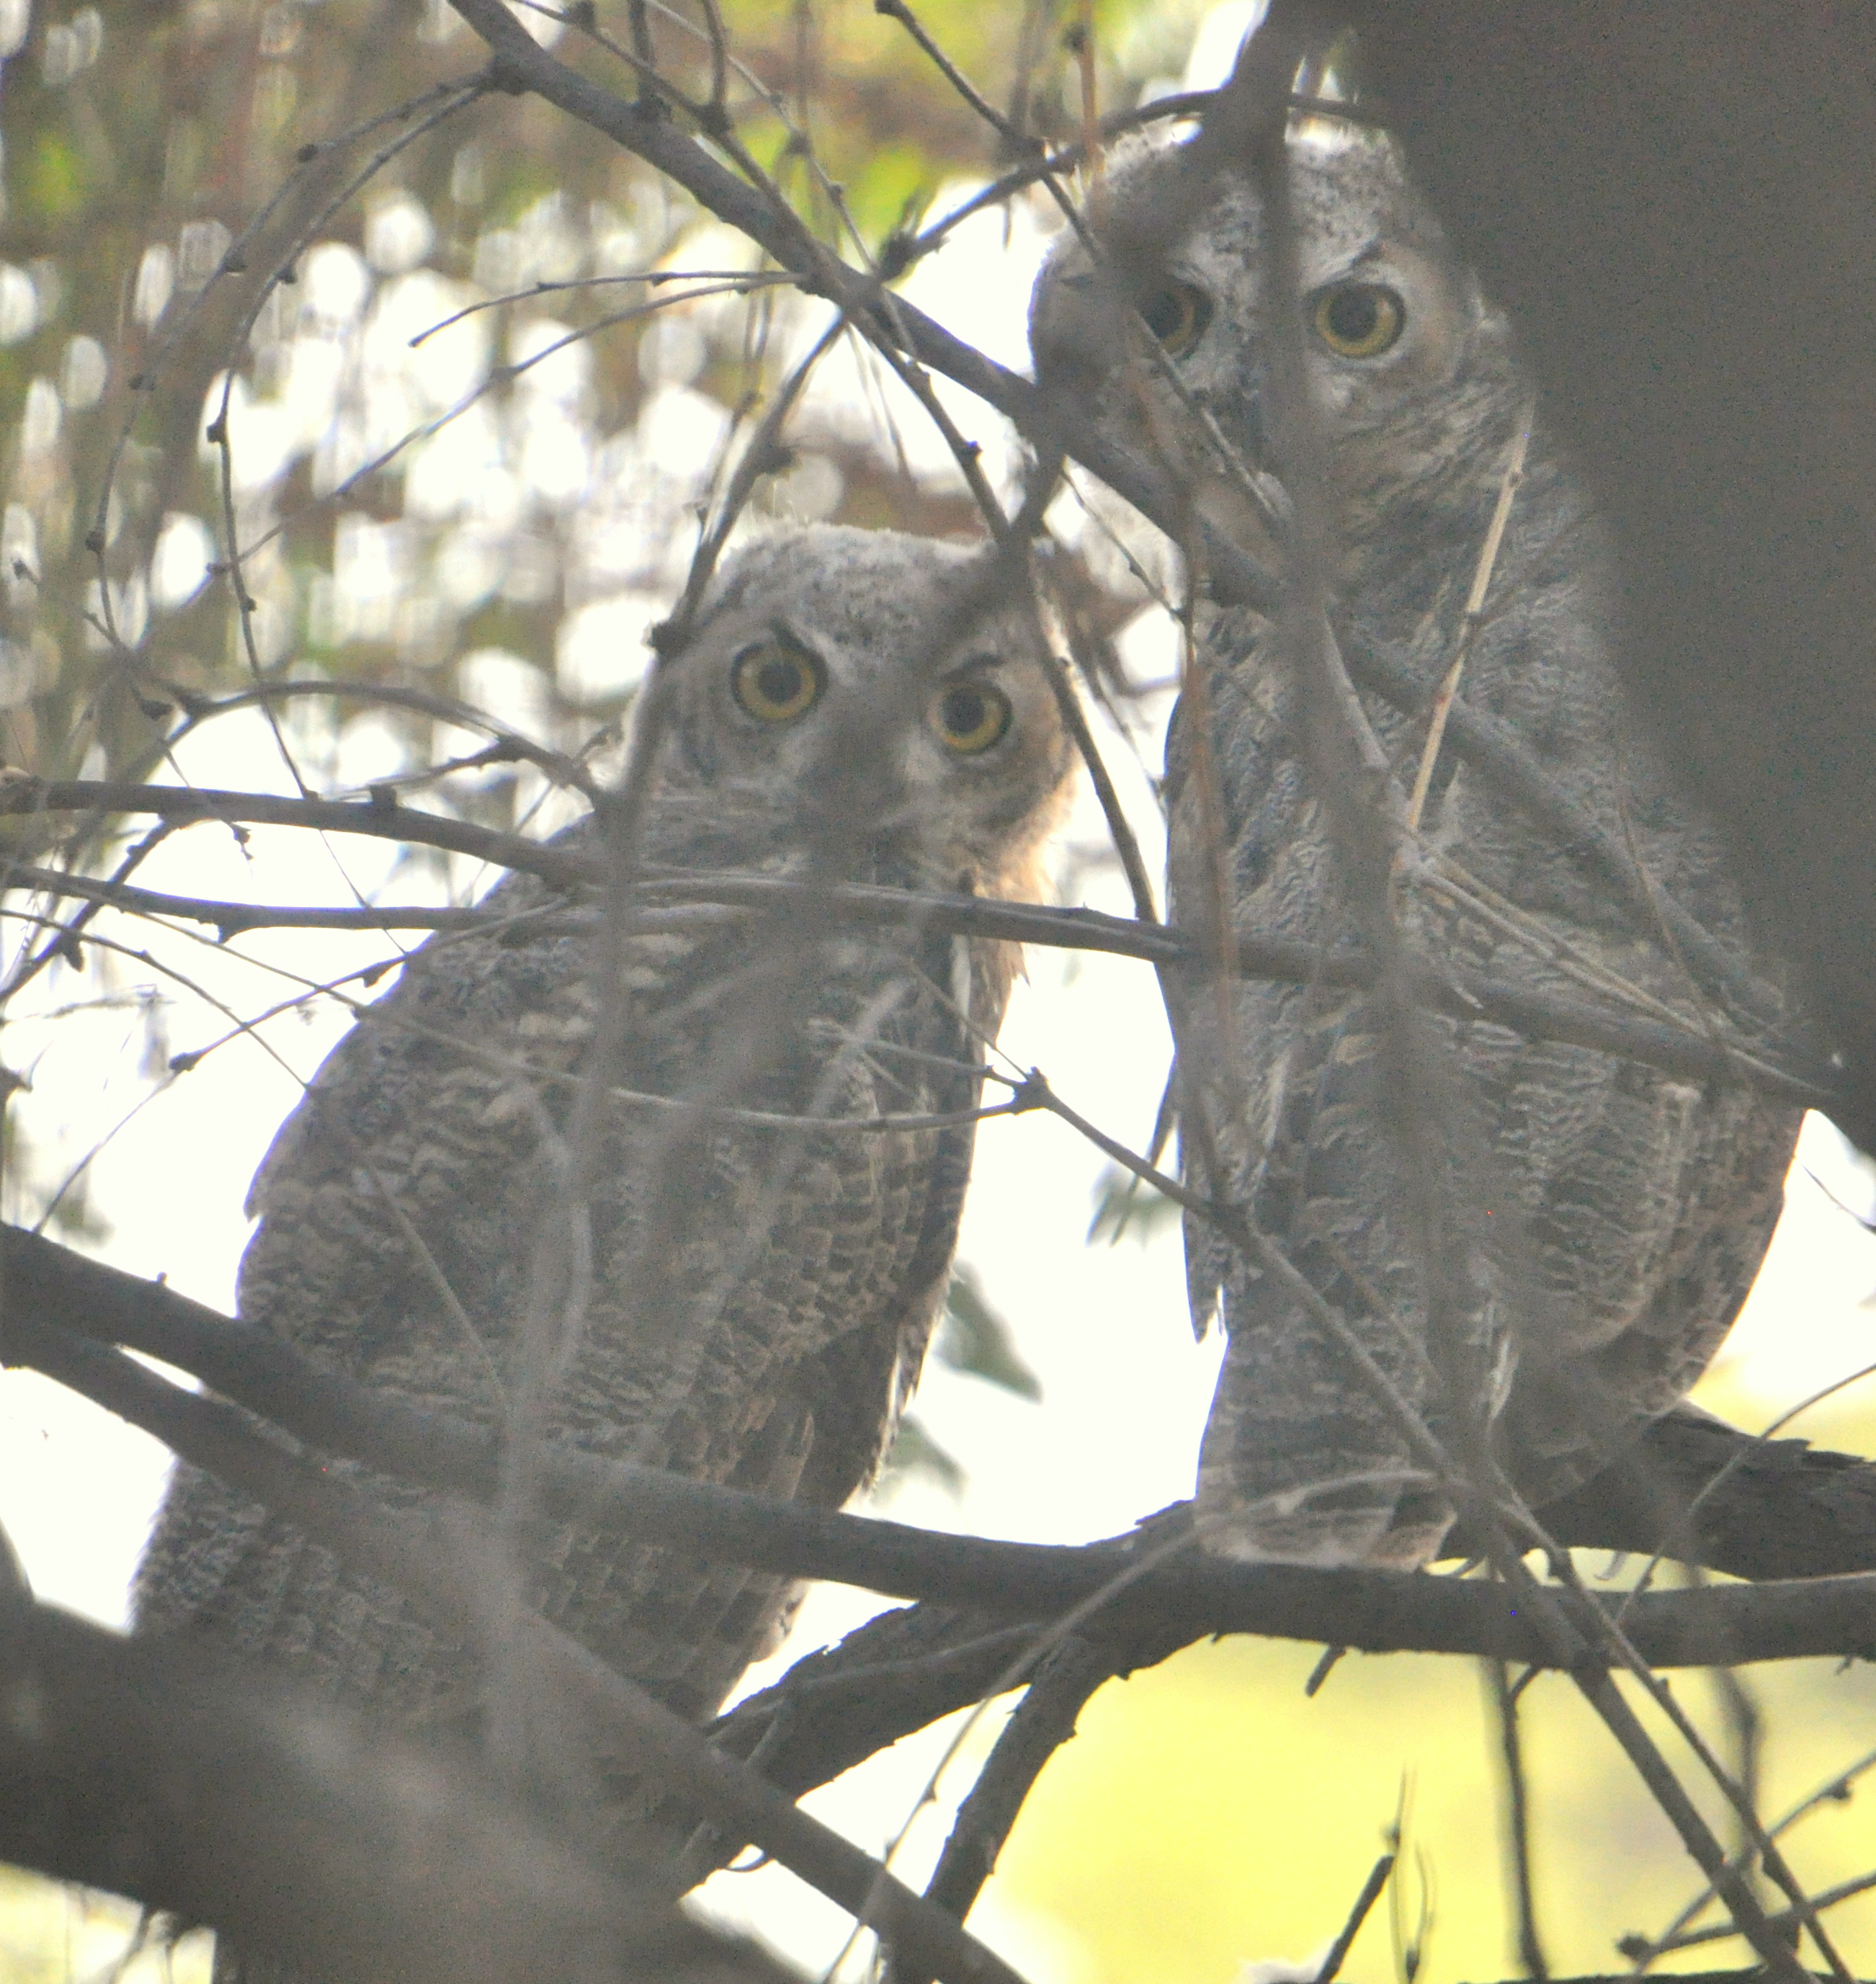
x=440, y=1560
x=1782, y=1069
x=1041, y=1724
x=171, y=1774
x=1169, y=1607
x=380, y=817
x=1502, y=1703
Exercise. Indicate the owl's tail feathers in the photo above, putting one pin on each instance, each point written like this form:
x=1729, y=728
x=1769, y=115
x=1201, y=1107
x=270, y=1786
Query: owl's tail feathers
x=1384, y=1518
x=1298, y=1464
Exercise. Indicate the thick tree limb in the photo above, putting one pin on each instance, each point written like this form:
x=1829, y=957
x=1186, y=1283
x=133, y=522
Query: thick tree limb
x=1146, y=1616
x=1170, y=1605
x=1786, y=1509
x=445, y=1561
x=196, y=1785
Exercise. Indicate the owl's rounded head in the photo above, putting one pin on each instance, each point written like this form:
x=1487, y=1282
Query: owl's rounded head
x=845, y=699
x=1412, y=370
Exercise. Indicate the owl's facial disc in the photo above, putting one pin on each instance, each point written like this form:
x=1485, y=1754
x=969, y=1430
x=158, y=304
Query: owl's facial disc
x=1385, y=323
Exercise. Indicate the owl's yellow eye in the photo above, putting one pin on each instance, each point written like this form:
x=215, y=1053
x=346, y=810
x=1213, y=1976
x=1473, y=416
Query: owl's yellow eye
x=1177, y=315
x=777, y=680
x=970, y=717
x=1357, y=319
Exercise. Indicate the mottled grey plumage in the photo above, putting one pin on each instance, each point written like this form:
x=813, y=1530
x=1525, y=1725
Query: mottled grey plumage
x=759, y=1297
x=1602, y=1221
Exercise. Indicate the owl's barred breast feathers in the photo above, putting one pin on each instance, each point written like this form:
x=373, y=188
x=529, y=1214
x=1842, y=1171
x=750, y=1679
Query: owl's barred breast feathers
x=1600, y=1223
x=738, y=1278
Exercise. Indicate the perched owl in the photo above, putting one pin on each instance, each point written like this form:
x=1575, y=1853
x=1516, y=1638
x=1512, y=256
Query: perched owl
x=745, y=1294
x=1598, y=1222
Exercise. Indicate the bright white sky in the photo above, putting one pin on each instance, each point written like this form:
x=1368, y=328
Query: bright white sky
x=1125, y=1386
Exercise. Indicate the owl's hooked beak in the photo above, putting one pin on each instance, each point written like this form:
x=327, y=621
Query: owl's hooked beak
x=1079, y=339
x=860, y=813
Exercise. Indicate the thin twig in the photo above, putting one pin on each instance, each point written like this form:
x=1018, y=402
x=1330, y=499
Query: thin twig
x=496, y=377
x=217, y=432
x=1465, y=995
x=1517, y=1817
x=1684, y=1524
x=897, y=10
x=235, y=261
x=1472, y=620
x=1039, y=1725
x=1642, y=1950
x=1378, y=1877
x=1788, y=1919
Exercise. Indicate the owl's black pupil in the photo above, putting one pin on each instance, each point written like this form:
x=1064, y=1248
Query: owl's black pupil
x=1353, y=316
x=778, y=681
x=963, y=711
x=1168, y=313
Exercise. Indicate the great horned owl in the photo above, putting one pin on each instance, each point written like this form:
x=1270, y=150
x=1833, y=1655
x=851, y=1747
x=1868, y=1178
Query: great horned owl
x=747, y=1294
x=1602, y=1220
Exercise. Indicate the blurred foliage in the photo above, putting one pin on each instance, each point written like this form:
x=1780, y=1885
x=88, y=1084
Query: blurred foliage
x=890, y=131
x=467, y=450
x=916, y=1456
x=141, y=138
x=1252, y=1815
x=1125, y=1204
x=975, y=1339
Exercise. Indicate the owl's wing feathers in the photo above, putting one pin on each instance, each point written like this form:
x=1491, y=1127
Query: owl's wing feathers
x=1290, y=1079
x=1632, y=1207
x=1619, y=1215
x=764, y=1334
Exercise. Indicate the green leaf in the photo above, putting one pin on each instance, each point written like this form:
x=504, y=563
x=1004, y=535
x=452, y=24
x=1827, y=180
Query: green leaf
x=55, y=181
x=975, y=1339
x=915, y=1456
x=1125, y=1203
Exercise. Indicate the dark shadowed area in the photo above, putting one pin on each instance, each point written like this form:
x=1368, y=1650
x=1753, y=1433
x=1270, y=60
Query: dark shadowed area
x=1678, y=206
